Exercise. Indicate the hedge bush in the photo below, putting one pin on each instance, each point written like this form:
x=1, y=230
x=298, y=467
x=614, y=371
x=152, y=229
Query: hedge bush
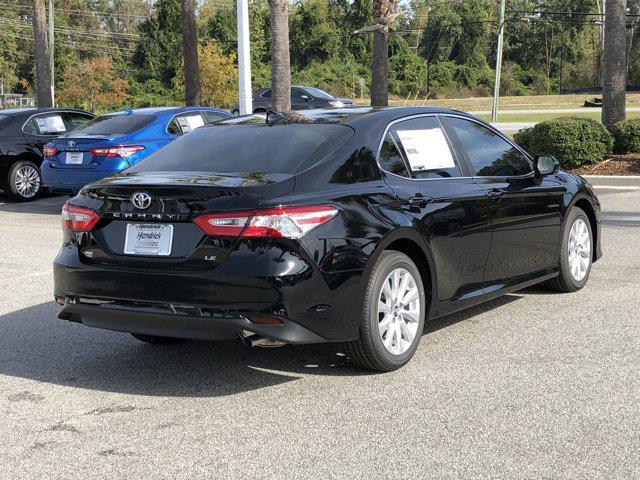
x=626, y=136
x=573, y=141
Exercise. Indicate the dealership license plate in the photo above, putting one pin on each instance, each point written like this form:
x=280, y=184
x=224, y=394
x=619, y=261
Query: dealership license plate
x=148, y=239
x=74, y=158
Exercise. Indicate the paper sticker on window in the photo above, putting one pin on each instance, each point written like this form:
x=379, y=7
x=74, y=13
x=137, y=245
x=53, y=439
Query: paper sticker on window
x=426, y=149
x=52, y=124
x=190, y=122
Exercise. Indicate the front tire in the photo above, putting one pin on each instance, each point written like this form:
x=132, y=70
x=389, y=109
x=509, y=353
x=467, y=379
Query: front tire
x=24, y=182
x=576, y=254
x=393, y=315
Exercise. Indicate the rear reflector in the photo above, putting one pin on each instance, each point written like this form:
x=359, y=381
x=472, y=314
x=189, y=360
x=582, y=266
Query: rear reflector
x=119, y=151
x=60, y=301
x=78, y=219
x=285, y=222
x=264, y=319
x=49, y=151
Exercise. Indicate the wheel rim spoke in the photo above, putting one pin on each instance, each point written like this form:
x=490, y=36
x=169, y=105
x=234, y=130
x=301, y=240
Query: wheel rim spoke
x=579, y=249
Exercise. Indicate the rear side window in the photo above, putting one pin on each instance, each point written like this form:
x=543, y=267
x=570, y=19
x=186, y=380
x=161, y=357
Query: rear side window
x=185, y=123
x=425, y=148
x=119, y=124
x=489, y=153
x=391, y=159
x=49, y=124
x=254, y=148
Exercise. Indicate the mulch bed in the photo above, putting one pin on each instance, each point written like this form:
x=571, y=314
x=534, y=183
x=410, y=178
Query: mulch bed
x=616, y=165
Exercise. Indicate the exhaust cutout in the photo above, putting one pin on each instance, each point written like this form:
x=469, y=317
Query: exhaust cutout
x=251, y=339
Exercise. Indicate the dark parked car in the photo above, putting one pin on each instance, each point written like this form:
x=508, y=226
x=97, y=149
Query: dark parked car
x=302, y=98
x=349, y=225
x=23, y=134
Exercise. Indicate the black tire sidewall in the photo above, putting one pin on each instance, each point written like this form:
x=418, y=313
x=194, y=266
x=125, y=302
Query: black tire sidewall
x=576, y=213
x=390, y=263
x=11, y=179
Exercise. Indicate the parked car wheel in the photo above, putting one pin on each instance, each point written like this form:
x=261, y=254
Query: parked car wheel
x=576, y=253
x=24, y=181
x=393, y=315
x=155, y=339
x=235, y=113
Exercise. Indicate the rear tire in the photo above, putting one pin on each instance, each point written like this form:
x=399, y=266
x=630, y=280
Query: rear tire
x=155, y=340
x=576, y=254
x=393, y=315
x=24, y=181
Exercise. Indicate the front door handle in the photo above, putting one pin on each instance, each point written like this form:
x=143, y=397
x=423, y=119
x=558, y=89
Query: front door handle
x=420, y=200
x=496, y=193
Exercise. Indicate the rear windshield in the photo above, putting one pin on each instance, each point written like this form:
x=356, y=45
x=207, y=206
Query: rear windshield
x=121, y=124
x=248, y=148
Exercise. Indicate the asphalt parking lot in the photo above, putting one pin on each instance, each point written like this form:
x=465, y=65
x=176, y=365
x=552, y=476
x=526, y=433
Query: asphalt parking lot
x=533, y=385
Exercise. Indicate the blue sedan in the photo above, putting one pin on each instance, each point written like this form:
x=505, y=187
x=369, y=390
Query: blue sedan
x=112, y=142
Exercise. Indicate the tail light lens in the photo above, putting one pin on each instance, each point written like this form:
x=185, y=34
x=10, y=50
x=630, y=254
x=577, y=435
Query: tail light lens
x=49, y=151
x=118, y=151
x=78, y=219
x=284, y=222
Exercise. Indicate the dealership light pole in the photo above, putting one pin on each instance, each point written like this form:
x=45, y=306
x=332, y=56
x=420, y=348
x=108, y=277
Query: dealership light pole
x=244, y=58
x=496, y=85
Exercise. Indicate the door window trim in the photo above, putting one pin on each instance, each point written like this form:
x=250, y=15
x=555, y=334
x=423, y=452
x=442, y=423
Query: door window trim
x=50, y=113
x=454, y=151
x=499, y=134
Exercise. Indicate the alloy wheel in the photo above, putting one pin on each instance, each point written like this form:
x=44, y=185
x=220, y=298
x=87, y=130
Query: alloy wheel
x=27, y=181
x=579, y=246
x=398, y=311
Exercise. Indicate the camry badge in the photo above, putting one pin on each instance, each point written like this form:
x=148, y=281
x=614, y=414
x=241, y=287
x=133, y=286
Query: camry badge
x=141, y=200
x=71, y=143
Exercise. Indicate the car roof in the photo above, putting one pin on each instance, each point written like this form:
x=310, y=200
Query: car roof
x=31, y=111
x=161, y=110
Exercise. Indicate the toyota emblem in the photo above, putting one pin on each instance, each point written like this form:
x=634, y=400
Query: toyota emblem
x=71, y=143
x=141, y=200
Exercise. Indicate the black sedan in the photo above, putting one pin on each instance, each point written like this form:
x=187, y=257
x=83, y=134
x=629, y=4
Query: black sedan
x=302, y=98
x=23, y=134
x=351, y=225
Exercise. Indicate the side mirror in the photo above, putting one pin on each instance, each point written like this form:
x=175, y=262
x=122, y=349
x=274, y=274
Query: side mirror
x=546, y=164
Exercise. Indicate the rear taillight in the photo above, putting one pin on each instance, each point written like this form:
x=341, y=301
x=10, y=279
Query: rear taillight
x=49, y=151
x=286, y=222
x=78, y=219
x=118, y=151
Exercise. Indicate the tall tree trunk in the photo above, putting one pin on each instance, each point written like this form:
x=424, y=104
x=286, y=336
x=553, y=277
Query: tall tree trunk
x=43, y=55
x=280, y=62
x=380, y=70
x=190, y=47
x=615, y=63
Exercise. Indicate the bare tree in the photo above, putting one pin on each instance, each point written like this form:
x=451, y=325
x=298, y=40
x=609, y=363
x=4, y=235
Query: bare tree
x=43, y=55
x=280, y=60
x=190, y=47
x=384, y=13
x=615, y=63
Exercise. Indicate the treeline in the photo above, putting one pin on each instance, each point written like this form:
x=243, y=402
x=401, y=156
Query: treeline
x=112, y=53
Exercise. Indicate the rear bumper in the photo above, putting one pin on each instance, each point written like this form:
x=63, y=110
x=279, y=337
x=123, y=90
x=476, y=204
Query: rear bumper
x=69, y=180
x=314, y=306
x=162, y=322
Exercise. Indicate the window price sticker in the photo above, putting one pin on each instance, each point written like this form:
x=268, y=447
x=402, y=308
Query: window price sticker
x=190, y=122
x=426, y=149
x=53, y=124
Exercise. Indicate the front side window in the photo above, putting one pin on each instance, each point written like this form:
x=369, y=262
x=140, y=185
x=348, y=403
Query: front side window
x=425, y=148
x=212, y=117
x=266, y=94
x=489, y=153
x=50, y=124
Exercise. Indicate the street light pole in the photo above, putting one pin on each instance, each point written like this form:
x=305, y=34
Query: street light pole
x=244, y=58
x=496, y=86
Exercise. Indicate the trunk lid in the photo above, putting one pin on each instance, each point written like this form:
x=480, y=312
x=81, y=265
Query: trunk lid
x=176, y=199
x=75, y=152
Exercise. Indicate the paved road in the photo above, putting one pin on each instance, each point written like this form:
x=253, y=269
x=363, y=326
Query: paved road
x=534, y=385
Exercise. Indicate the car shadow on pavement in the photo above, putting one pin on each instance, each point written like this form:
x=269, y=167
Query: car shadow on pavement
x=36, y=345
x=45, y=205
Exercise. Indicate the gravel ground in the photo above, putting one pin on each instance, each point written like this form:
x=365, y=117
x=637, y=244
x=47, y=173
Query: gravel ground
x=533, y=385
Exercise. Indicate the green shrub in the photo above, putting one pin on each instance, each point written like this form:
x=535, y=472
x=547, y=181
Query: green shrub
x=573, y=141
x=523, y=138
x=626, y=136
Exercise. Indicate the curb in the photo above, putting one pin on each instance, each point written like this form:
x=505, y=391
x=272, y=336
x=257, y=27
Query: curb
x=614, y=181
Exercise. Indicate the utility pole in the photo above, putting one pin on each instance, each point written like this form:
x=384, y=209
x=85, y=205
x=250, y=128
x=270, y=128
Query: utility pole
x=43, y=55
x=496, y=85
x=51, y=53
x=244, y=58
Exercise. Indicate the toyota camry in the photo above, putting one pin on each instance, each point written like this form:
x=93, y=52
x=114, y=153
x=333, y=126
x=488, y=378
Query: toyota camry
x=352, y=225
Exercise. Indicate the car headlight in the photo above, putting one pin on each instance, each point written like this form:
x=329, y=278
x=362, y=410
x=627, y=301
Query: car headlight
x=336, y=103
